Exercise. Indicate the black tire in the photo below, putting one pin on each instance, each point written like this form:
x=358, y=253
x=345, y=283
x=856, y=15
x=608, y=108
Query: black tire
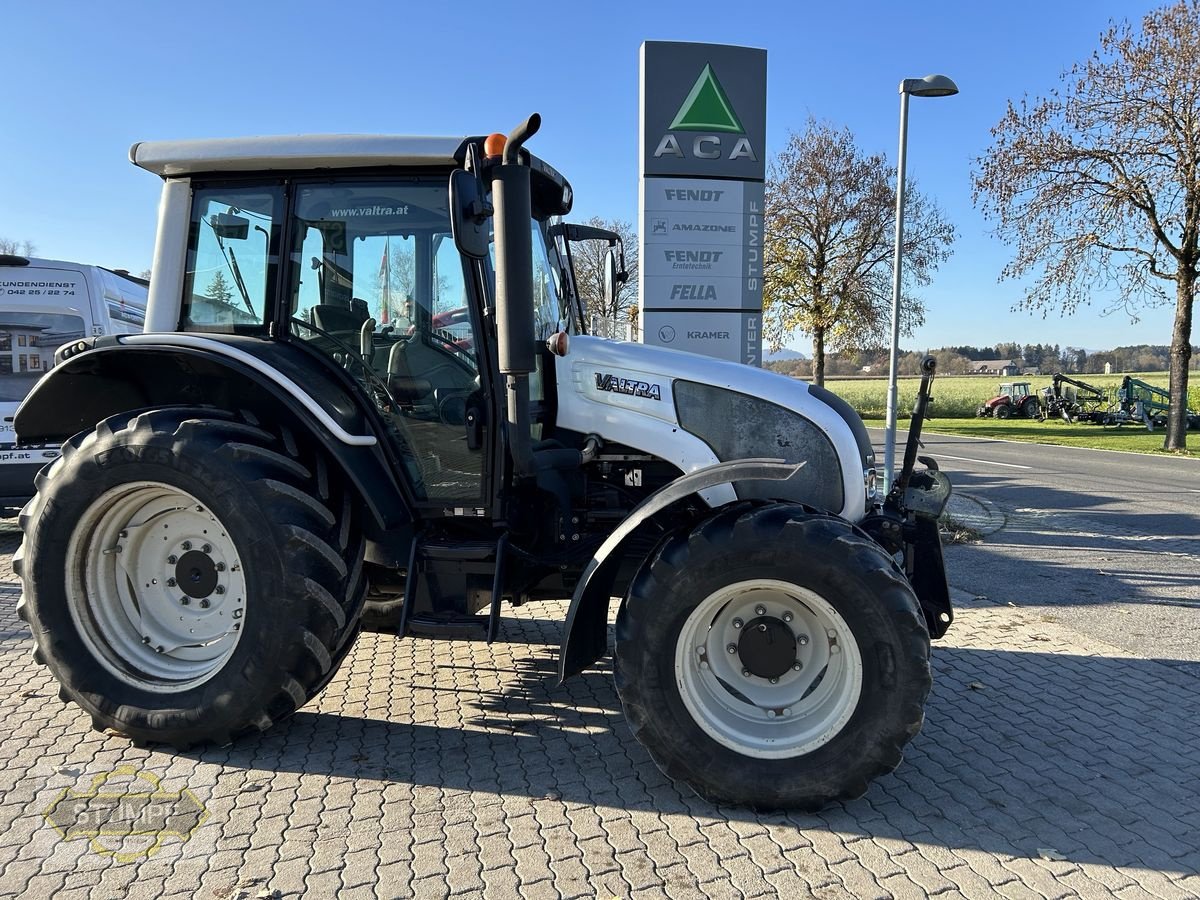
x=1032, y=410
x=295, y=530
x=822, y=554
x=1003, y=411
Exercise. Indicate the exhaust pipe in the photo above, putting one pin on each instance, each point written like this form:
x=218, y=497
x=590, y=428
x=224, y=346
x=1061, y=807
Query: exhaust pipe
x=514, y=288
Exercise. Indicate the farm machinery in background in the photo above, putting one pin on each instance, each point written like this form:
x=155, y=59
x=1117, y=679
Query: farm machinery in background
x=1135, y=402
x=1016, y=398
x=1074, y=401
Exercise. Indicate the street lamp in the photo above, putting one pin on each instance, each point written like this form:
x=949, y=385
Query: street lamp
x=929, y=86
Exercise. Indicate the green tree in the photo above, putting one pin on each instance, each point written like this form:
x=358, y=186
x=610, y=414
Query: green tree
x=827, y=261
x=219, y=290
x=1097, y=186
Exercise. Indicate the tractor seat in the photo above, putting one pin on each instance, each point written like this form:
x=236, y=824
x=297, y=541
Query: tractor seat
x=336, y=317
x=406, y=388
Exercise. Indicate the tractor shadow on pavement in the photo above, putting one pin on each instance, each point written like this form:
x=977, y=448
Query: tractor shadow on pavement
x=1093, y=758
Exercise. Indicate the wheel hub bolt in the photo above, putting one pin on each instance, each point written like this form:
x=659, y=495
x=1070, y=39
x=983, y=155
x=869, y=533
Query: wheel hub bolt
x=146, y=639
x=220, y=567
x=184, y=601
x=732, y=648
x=835, y=649
x=186, y=545
x=171, y=560
x=774, y=681
x=220, y=589
x=771, y=714
x=787, y=711
x=762, y=627
x=170, y=582
x=802, y=640
x=204, y=604
x=159, y=649
x=237, y=614
x=760, y=610
x=124, y=533
x=787, y=617
x=704, y=663
x=737, y=623
x=745, y=672
x=207, y=548
x=796, y=666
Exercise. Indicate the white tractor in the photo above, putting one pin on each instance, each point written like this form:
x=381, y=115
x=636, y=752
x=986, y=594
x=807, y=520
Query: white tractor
x=363, y=386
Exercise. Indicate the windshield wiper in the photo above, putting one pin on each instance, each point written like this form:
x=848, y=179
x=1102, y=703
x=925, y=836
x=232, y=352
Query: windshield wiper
x=231, y=264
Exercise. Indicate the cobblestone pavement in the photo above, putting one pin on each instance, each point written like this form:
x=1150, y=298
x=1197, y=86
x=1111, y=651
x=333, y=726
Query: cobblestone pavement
x=1049, y=766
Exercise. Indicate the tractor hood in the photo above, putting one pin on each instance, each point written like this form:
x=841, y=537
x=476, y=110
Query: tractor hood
x=694, y=411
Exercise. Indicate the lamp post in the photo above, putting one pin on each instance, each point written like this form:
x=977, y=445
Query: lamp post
x=929, y=86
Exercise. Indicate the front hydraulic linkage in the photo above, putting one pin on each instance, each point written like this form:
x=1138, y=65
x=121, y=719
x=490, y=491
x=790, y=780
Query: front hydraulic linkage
x=907, y=521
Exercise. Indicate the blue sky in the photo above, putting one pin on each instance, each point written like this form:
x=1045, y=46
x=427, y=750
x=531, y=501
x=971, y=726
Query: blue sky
x=86, y=80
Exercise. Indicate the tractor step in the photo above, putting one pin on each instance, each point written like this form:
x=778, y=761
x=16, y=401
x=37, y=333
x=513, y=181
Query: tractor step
x=459, y=550
x=425, y=557
x=447, y=626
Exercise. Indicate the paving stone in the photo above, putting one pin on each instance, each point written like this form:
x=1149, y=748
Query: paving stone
x=431, y=769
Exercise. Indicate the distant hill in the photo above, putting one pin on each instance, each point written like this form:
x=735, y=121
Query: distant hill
x=785, y=354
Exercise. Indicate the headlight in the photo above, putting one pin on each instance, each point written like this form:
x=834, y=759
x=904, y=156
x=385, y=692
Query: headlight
x=871, y=483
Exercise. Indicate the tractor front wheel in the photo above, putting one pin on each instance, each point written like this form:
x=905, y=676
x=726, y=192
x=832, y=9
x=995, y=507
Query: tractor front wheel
x=773, y=657
x=1003, y=411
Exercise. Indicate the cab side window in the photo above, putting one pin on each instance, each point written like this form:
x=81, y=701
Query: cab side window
x=233, y=258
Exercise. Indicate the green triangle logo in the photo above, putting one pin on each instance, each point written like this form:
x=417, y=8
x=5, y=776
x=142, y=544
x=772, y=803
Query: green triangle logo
x=706, y=107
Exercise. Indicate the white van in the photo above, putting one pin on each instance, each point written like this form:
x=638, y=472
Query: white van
x=44, y=303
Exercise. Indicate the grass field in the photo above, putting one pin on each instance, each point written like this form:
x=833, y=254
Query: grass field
x=958, y=396
x=956, y=399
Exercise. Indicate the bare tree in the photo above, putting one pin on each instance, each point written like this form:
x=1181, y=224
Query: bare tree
x=11, y=247
x=588, y=257
x=827, y=261
x=1097, y=186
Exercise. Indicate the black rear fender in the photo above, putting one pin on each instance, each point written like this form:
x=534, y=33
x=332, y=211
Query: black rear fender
x=273, y=381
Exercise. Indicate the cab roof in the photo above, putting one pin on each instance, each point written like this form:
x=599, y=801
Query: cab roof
x=169, y=159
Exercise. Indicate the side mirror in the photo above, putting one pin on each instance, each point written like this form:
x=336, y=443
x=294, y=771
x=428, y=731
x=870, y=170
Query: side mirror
x=612, y=278
x=469, y=212
x=229, y=226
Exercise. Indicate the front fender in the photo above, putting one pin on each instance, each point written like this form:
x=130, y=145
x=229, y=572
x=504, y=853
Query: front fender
x=585, y=635
x=267, y=378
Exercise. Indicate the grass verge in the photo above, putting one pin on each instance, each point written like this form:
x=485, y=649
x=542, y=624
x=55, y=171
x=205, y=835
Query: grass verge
x=1132, y=438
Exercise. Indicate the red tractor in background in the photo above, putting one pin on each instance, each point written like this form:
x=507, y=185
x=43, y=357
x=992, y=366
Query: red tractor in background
x=1015, y=399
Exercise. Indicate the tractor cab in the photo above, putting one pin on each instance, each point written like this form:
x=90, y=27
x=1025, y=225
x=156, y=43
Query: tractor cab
x=1015, y=391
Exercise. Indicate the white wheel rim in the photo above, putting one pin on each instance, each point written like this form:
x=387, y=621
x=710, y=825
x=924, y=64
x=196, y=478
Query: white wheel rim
x=156, y=587
x=806, y=705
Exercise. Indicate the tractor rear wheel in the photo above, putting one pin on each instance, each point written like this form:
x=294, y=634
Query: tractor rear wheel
x=773, y=657
x=189, y=575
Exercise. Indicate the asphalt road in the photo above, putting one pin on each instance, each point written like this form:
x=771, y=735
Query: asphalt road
x=1105, y=542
